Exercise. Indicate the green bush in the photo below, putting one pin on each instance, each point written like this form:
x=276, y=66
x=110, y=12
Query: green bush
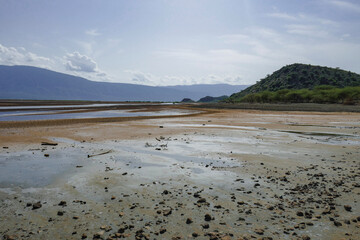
x=320, y=94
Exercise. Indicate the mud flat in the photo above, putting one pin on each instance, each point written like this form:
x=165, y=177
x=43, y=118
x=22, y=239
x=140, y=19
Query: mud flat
x=226, y=174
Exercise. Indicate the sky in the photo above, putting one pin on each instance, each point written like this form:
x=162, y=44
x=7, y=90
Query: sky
x=179, y=42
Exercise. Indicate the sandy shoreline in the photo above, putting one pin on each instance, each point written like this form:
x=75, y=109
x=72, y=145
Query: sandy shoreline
x=226, y=174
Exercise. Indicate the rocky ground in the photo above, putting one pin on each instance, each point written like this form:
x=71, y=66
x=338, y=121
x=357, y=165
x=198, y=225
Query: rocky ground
x=233, y=174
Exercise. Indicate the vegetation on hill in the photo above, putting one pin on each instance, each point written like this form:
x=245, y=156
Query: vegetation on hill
x=187, y=100
x=300, y=76
x=209, y=99
x=320, y=94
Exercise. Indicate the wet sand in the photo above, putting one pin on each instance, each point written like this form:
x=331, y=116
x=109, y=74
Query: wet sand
x=223, y=174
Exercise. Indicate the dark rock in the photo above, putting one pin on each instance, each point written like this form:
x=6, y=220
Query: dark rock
x=305, y=237
x=299, y=213
x=167, y=212
x=259, y=231
x=195, y=234
x=338, y=224
x=62, y=203
x=197, y=195
x=202, y=200
x=347, y=208
x=208, y=217
x=60, y=213
x=270, y=208
x=205, y=226
x=36, y=205
x=189, y=220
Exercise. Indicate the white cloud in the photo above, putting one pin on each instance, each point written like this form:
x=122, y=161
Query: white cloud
x=92, y=32
x=20, y=56
x=80, y=63
x=283, y=16
x=346, y=5
x=138, y=77
x=307, y=30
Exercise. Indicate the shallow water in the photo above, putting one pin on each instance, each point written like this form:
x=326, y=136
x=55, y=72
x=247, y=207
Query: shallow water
x=50, y=115
x=60, y=106
x=33, y=169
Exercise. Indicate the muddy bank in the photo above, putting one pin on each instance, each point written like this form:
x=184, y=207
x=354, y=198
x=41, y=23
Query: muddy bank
x=226, y=175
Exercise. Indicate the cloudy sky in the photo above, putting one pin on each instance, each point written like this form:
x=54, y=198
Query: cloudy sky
x=173, y=42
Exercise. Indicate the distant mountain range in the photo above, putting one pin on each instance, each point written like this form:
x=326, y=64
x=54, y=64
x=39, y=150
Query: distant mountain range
x=301, y=76
x=26, y=82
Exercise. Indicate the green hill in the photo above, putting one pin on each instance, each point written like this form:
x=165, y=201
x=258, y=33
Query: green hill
x=209, y=99
x=300, y=76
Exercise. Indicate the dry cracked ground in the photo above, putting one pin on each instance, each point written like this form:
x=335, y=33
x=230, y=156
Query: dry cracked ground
x=228, y=175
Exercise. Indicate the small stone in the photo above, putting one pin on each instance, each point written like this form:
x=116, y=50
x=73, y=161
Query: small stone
x=106, y=228
x=259, y=231
x=162, y=230
x=83, y=236
x=305, y=237
x=208, y=217
x=62, y=203
x=167, y=212
x=196, y=195
x=60, y=213
x=36, y=205
x=194, y=234
x=338, y=224
x=98, y=235
x=205, y=226
x=299, y=213
x=189, y=220
x=347, y=208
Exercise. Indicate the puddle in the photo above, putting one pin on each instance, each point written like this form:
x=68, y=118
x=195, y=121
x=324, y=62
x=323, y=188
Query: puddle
x=28, y=169
x=321, y=134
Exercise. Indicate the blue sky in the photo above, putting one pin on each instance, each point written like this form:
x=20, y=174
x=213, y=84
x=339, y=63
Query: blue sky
x=175, y=42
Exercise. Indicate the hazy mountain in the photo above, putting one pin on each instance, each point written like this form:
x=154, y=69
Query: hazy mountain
x=25, y=82
x=300, y=76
